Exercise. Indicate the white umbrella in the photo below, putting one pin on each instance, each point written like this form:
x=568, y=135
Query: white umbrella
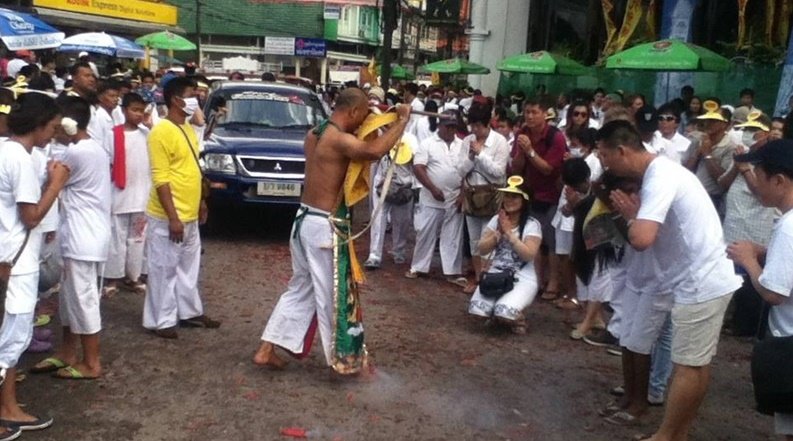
x=101, y=43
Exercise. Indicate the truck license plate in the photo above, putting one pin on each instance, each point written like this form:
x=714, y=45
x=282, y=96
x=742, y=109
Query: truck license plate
x=277, y=189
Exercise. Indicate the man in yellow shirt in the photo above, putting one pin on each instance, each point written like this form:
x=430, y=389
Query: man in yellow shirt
x=175, y=209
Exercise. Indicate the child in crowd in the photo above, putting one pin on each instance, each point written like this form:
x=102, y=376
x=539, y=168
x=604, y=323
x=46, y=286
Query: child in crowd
x=131, y=177
x=85, y=236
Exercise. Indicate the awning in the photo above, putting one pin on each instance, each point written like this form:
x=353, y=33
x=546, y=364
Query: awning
x=355, y=58
x=108, y=24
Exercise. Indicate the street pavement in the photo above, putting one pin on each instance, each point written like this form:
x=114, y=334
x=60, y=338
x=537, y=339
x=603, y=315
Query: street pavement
x=438, y=374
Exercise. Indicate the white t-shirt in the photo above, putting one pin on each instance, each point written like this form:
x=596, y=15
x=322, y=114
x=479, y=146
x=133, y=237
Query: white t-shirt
x=100, y=129
x=778, y=277
x=40, y=159
x=86, y=200
x=135, y=195
x=504, y=256
x=417, y=106
x=662, y=147
x=490, y=164
x=441, y=161
x=19, y=183
x=423, y=129
x=690, y=246
x=595, y=167
x=678, y=145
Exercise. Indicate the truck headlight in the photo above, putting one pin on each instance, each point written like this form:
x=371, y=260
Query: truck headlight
x=219, y=163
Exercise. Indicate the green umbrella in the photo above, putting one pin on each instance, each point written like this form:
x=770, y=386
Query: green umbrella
x=399, y=72
x=668, y=55
x=166, y=40
x=456, y=66
x=542, y=62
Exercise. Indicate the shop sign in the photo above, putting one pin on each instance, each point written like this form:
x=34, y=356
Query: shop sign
x=310, y=47
x=139, y=10
x=279, y=45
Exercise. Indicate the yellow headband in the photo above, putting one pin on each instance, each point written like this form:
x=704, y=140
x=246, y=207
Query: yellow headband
x=5, y=109
x=712, y=111
x=753, y=121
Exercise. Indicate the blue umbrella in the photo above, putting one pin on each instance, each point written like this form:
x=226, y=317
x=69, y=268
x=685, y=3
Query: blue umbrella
x=101, y=43
x=23, y=31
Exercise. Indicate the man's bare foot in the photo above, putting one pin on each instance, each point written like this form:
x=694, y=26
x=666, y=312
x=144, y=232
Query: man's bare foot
x=15, y=413
x=266, y=356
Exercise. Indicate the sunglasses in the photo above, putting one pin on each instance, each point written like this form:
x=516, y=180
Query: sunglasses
x=580, y=114
x=667, y=118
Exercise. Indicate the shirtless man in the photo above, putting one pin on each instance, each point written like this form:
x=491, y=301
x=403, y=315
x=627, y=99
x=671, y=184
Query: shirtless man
x=329, y=149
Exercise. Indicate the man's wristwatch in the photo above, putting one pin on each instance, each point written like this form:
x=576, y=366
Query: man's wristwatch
x=532, y=154
x=708, y=157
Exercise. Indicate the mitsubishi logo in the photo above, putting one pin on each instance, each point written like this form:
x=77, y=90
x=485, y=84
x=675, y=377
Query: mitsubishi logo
x=277, y=167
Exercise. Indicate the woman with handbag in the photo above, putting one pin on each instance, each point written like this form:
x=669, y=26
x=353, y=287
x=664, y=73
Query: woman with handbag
x=513, y=237
x=483, y=162
x=771, y=373
x=32, y=122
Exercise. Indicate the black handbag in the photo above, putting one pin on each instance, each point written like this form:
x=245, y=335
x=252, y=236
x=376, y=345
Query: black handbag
x=772, y=376
x=495, y=285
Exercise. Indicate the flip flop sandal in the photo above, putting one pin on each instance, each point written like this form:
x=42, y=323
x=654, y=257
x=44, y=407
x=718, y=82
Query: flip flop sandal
x=50, y=364
x=42, y=320
x=7, y=434
x=549, y=295
x=623, y=418
x=575, y=334
x=641, y=437
x=109, y=291
x=462, y=282
x=38, y=424
x=70, y=373
x=412, y=274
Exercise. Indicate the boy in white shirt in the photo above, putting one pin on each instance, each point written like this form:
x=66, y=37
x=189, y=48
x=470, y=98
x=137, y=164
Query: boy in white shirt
x=774, y=282
x=85, y=236
x=131, y=177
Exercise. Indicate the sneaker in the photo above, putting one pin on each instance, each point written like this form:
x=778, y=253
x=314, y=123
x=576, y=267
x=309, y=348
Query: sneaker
x=600, y=338
x=617, y=391
x=202, y=321
x=371, y=264
x=614, y=350
x=400, y=259
x=412, y=274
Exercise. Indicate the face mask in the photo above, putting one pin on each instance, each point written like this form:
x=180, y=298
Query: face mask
x=190, y=106
x=747, y=138
x=576, y=152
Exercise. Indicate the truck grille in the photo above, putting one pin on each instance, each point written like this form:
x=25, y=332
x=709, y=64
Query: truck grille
x=273, y=166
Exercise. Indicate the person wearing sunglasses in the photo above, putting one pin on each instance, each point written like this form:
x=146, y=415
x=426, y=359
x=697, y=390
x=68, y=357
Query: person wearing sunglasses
x=578, y=117
x=668, y=124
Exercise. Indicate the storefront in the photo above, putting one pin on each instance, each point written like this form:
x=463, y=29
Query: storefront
x=129, y=18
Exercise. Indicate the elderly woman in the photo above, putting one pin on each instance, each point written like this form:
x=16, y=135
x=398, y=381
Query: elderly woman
x=513, y=238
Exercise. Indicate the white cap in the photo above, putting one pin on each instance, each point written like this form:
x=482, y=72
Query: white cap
x=82, y=54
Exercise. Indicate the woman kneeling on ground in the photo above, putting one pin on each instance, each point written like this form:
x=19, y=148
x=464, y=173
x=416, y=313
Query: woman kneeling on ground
x=513, y=238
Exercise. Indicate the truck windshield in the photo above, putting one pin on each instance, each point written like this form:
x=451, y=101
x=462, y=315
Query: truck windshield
x=267, y=109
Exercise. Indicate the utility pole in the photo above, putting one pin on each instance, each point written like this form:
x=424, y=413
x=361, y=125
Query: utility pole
x=198, y=31
x=390, y=11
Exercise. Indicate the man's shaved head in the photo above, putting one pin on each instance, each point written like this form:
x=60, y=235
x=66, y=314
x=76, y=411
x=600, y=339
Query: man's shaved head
x=351, y=98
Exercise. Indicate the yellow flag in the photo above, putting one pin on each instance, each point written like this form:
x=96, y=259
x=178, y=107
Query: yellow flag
x=633, y=15
x=611, y=28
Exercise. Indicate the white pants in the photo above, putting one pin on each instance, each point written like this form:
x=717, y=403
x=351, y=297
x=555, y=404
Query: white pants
x=618, y=280
x=172, y=293
x=310, y=290
x=475, y=225
x=79, y=297
x=510, y=306
x=126, y=246
x=644, y=319
x=428, y=221
x=599, y=288
x=400, y=228
x=17, y=328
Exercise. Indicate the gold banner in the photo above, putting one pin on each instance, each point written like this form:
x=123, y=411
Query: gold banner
x=139, y=10
x=633, y=15
x=652, y=30
x=741, y=22
x=770, y=9
x=611, y=28
x=783, y=24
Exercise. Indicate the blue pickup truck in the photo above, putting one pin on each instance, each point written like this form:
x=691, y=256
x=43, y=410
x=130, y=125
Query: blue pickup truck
x=253, y=150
